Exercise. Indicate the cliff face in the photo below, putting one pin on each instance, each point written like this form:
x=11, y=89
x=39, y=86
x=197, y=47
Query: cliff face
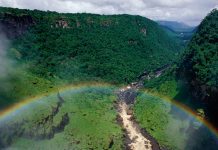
x=13, y=26
x=199, y=66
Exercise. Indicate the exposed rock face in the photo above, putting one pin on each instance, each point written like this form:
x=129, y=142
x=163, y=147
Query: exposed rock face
x=78, y=24
x=90, y=20
x=132, y=42
x=144, y=31
x=106, y=23
x=201, y=93
x=14, y=26
x=208, y=96
x=127, y=95
x=61, y=24
x=154, y=74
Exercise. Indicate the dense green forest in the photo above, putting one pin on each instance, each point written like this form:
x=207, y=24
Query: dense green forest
x=51, y=47
x=199, y=65
x=201, y=56
x=72, y=68
x=85, y=45
x=193, y=78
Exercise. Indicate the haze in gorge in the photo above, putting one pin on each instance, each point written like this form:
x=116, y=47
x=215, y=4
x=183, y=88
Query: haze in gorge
x=133, y=74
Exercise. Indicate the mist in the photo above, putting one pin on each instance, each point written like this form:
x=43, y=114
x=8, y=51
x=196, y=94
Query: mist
x=5, y=62
x=6, y=70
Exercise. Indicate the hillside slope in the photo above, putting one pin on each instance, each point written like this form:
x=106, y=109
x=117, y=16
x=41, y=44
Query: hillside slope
x=113, y=48
x=176, y=26
x=47, y=47
x=193, y=80
x=200, y=64
x=180, y=31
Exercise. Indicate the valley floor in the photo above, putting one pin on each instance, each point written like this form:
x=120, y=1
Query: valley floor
x=138, y=141
x=87, y=117
x=136, y=138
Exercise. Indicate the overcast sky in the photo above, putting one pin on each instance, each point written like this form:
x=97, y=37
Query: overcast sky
x=187, y=11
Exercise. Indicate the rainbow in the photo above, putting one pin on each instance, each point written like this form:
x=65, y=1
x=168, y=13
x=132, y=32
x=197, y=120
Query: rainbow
x=9, y=110
x=186, y=109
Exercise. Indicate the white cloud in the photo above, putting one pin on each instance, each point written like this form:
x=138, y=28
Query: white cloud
x=188, y=11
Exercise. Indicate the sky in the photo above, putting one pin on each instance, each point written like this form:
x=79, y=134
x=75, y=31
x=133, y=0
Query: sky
x=190, y=12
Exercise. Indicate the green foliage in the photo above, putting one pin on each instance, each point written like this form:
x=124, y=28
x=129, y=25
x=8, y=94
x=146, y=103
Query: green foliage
x=21, y=84
x=199, y=66
x=195, y=76
x=92, y=122
x=110, y=48
x=154, y=114
x=81, y=47
x=166, y=84
x=201, y=57
x=182, y=37
x=169, y=84
x=181, y=32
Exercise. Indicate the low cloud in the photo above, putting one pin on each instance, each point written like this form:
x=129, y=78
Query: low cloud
x=188, y=11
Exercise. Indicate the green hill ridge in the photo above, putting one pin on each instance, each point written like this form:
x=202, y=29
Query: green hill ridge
x=85, y=47
x=200, y=65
